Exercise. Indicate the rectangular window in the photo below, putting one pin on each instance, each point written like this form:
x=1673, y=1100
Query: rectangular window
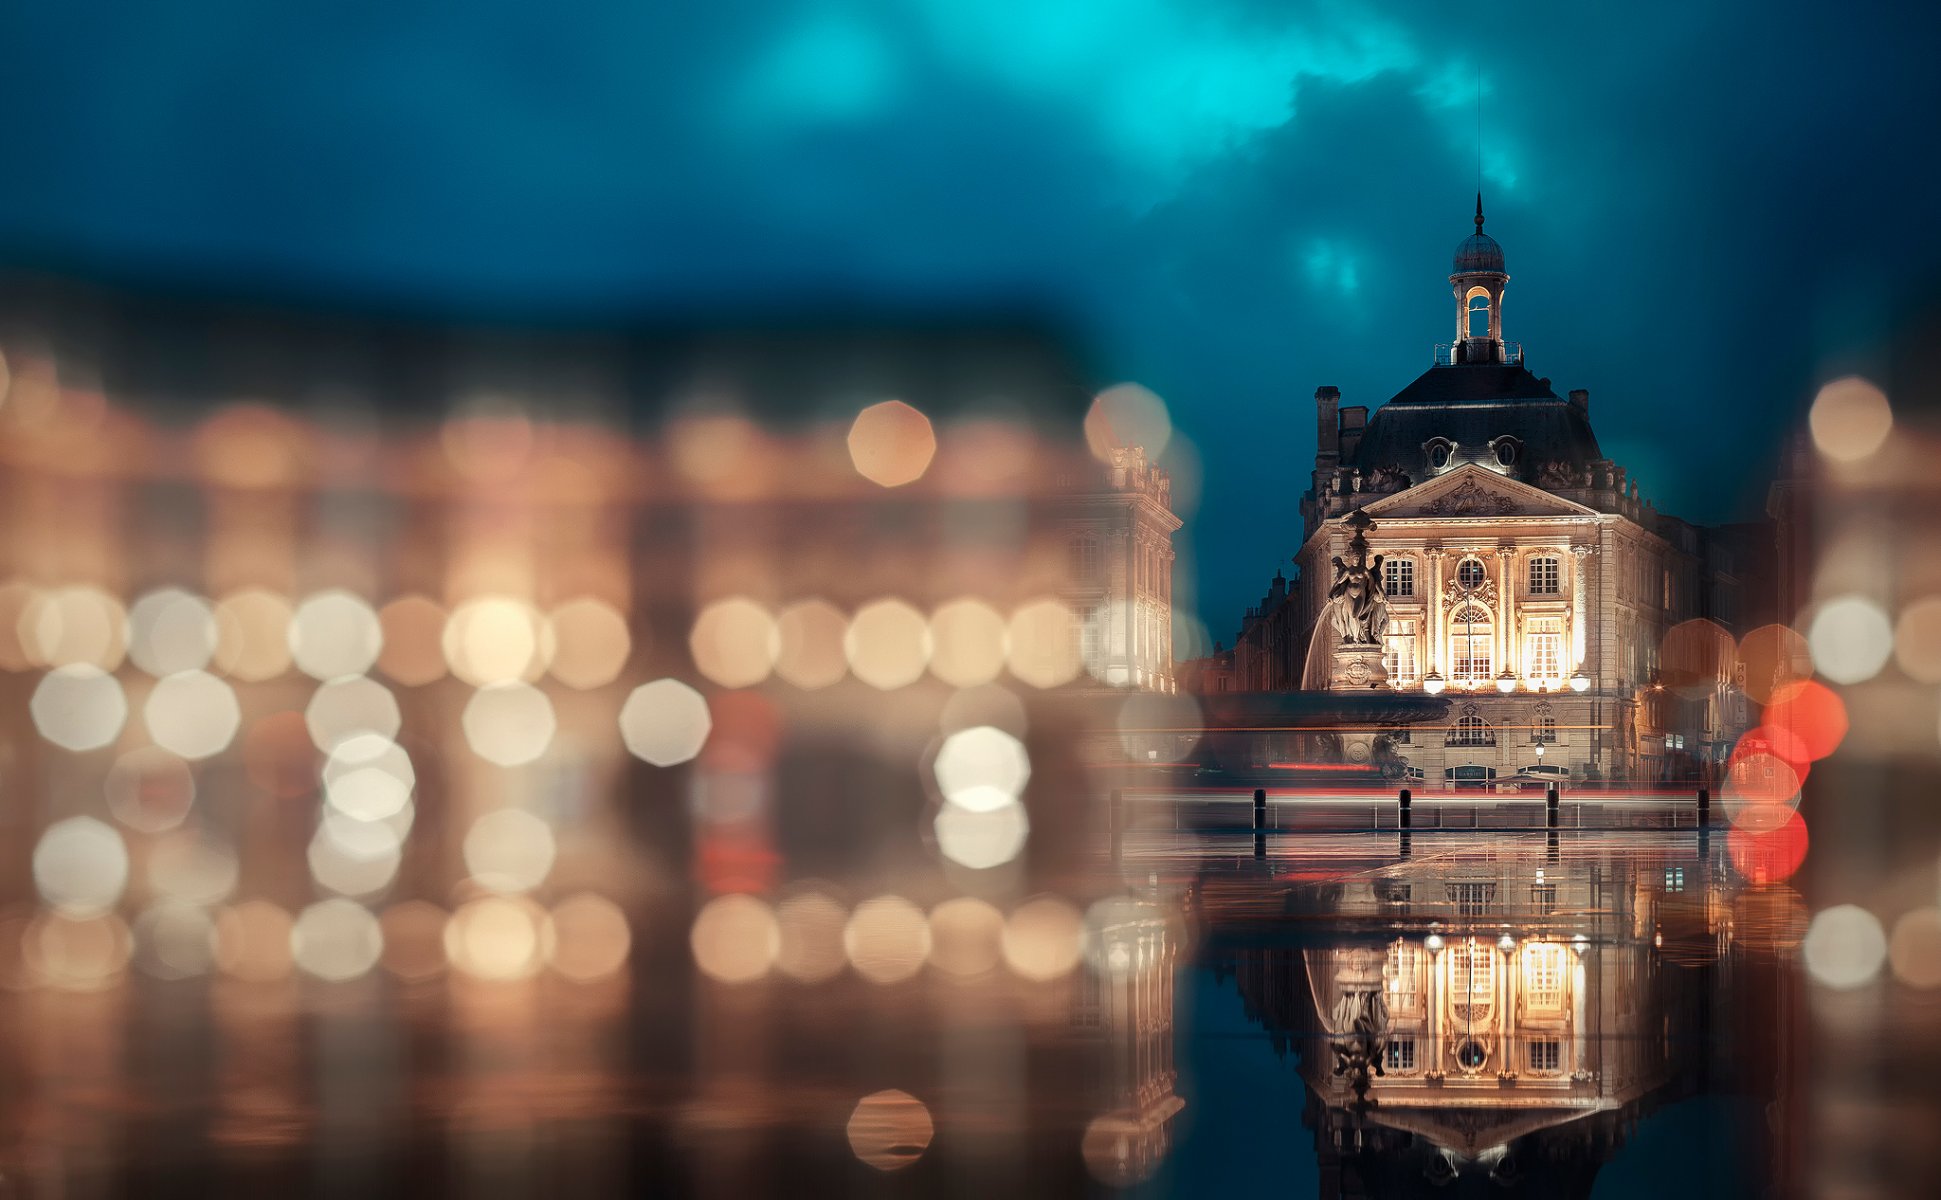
x=1547, y=729
x=1398, y=652
x=1398, y=577
x=1401, y=1054
x=1543, y=898
x=1543, y=976
x=1472, y=655
x=1546, y=1056
x=1471, y=899
x=1404, y=969
x=1674, y=879
x=1088, y=640
x=1544, y=577
x=1545, y=651
x=1472, y=971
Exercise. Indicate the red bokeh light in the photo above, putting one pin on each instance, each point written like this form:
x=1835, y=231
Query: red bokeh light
x=1769, y=856
x=1812, y=713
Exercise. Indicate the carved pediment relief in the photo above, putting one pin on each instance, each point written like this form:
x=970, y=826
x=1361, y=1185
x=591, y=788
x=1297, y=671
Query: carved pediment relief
x=1472, y=492
x=1470, y=499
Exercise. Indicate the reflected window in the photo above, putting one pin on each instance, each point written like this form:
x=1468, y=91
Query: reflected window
x=1471, y=899
x=1473, y=731
x=1404, y=978
x=1545, y=1056
x=1401, y=1054
x=1543, y=898
x=1543, y=976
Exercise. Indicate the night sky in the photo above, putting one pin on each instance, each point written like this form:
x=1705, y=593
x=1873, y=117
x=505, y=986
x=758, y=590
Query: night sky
x=1707, y=209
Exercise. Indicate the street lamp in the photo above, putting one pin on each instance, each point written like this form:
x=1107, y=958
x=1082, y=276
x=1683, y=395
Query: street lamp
x=1539, y=754
x=1580, y=682
x=1433, y=683
x=1506, y=682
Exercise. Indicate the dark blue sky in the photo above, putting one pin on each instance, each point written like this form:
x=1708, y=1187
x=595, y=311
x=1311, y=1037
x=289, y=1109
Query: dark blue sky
x=1706, y=208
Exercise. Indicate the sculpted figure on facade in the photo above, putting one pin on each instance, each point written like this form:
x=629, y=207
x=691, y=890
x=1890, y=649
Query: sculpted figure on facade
x=1356, y=607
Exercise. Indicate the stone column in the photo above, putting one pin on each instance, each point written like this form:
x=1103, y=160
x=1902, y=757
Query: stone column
x=1432, y=657
x=1506, y=611
x=1579, y=636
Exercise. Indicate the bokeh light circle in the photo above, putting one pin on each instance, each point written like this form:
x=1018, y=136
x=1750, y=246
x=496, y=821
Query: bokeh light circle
x=735, y=938
x=1044, y=938
x=510, y=850
x=981, y=839
x=887, y=644
x=665, y=722
x=1844, y=947
x=1851, y=639
x=80, y=866
x=192, y=714
x=334, y=633
x=1850, y=419
x=509, y=724
x=981, y=768
x=887, y=939
x=336, y=940
x=891, y=444
x=171, y=630
x=890, y=1129
x=79, y=707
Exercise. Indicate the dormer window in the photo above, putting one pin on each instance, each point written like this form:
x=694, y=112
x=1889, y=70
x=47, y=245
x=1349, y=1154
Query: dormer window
x=1507, y=450
x=1441, y=450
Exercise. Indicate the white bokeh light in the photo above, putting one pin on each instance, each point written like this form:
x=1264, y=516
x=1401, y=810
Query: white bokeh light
x=79, y=707
x=193, y=714
x=1851, y=638
x=665, y=722
x=80, y=866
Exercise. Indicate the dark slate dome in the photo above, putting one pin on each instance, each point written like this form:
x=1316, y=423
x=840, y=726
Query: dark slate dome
x=1469, y=407
x=1479, y=252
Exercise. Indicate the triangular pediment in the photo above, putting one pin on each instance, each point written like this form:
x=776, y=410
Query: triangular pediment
x=1474, y=492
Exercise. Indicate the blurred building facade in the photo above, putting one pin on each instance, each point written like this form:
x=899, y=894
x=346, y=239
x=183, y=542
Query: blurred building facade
x=1120, y=524
x=1523, y=572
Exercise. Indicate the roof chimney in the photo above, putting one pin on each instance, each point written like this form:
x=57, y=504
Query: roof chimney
x=1580, y=399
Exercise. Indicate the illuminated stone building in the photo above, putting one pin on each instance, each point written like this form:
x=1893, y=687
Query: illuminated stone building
x=1523, y=574
x=1120, y=573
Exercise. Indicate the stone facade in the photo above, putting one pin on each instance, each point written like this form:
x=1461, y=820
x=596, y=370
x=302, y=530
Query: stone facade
x=1524, y=575
x=1119, y=530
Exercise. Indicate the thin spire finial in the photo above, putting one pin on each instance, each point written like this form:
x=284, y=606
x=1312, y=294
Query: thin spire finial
x=1479, y=212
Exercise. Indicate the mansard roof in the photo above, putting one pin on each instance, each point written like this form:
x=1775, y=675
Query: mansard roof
x=1471, y=406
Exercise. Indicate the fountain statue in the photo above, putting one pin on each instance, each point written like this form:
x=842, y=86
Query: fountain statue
x=1346, y=648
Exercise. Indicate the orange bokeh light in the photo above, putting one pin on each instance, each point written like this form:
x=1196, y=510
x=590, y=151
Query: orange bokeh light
x=891, y=443
x=1773, y=655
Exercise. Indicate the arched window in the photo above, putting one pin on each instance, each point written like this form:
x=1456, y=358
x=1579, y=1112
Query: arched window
x=1545, y=726
x=1471, y=639
x=1472, y=730
x=1479, y=314
x=1085, y=558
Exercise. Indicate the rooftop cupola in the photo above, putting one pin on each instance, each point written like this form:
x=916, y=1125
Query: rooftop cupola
x=1478, y=285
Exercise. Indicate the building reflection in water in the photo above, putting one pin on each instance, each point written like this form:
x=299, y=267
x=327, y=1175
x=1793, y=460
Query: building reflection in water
x=1519, y=1010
